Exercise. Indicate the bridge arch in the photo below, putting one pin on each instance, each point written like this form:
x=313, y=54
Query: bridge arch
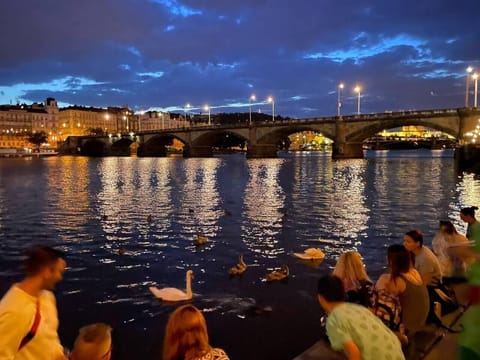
x=278, y=134
x=158, y=145
x=365, y=132
x=93, y=147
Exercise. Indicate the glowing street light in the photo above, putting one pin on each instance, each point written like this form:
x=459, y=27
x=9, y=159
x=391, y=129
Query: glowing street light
x=339, y=100
x=467, y=85
x=358, y=91
x=475, y=77
x=270, y=99
x=207, y=108
x=250, y=99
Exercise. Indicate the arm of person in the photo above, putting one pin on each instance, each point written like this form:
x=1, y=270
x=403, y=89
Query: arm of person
x=427, y=277
x=351, y=350
x=12, y=332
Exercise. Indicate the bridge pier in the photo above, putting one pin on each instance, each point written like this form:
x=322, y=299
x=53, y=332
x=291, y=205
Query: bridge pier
x=467, y=157
x=343, y=149
x=197, y=151
x=347, y=151
x=261, y=151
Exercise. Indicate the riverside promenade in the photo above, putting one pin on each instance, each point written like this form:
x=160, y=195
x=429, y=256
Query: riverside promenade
x=431, y=343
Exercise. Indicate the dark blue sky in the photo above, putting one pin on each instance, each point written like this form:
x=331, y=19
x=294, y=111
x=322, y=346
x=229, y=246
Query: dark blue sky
x=405, y=54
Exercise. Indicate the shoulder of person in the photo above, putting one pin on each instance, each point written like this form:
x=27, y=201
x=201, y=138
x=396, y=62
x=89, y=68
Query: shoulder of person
x=219, y=354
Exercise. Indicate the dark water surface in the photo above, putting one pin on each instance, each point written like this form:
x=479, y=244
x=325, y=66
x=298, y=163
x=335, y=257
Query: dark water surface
x=265, y=209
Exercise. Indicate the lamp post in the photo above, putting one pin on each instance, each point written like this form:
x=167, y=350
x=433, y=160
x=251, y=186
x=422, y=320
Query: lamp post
x=270, y=99
x=467, y=85
x=188, y=106
x=207, y=108
x=250, y=99
x=163, y=121
x=339, y=100
x=358, y=91
x=475, y=77
x=107, y=116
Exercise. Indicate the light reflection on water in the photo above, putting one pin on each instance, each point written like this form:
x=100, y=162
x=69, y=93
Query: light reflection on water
x=265, y=209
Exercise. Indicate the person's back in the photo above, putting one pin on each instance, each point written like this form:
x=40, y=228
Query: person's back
x=354, y=328
x=28, y=312
x=415, y=305
x=367, y=331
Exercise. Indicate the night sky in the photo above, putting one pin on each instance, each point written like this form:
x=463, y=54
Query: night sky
x=163, y=54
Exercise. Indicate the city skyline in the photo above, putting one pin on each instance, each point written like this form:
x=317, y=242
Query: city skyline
x=165, y=54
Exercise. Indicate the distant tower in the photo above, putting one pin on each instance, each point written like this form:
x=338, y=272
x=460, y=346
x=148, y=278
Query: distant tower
x=51, y=106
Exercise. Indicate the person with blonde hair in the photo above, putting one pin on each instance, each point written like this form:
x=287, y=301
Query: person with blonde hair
x=356, y=283
x=186, y=337
x=94, y=342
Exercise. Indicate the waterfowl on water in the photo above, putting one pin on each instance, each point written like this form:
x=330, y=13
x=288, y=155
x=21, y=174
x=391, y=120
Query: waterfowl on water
x=200, y=239
x=310, y=254
x=278, y=274
x=239, y=268
x=149, y=218
x=174, y=294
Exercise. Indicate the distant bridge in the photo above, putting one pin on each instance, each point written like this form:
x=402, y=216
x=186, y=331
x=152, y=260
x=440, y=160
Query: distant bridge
x=262, y=138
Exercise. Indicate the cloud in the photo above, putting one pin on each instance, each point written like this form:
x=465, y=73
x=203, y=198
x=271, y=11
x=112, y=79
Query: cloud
x=165, y=53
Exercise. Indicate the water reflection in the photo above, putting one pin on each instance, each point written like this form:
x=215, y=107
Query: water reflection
x=201, y=202
x=263, y=208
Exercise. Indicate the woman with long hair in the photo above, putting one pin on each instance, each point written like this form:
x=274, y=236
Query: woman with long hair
x=356, y=283
x=186, y=337
x=406, y=282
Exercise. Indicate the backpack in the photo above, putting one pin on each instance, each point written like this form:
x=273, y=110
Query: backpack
x=365, y=295
x=388, y=308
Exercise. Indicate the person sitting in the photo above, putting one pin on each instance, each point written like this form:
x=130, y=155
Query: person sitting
x=473, y=226
x=94, y=342
x=425, y=261
x=186, y=337
x=405, y=282
x=353, y=328
x=356, y=283
x=443, y=245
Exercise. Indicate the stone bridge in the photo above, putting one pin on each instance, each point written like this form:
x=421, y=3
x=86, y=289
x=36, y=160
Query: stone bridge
x=347, y=133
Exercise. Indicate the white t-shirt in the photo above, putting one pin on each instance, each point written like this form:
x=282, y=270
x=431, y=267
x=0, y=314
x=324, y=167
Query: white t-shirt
x=427, y=263
x=17, y=314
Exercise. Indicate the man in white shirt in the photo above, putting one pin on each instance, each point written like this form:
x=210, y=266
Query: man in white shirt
x=28, y=311
x=426, y=262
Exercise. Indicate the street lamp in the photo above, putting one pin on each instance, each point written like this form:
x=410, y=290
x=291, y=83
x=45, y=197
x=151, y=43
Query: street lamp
x=207, y=108
x=358, y=91
x=107, y=116
x=475, y=77
x=250, y=99
x=270, y=99
x=339, y=100
x=467, y=85
x=188, y=106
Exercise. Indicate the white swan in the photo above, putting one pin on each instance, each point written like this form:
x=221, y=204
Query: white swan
x=173, y=294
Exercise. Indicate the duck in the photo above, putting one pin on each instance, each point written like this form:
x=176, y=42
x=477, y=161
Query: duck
x=227, y=213
x=149, y=218
x=310, y=254
x=104, y=217
x=238, y=269
x=191, y=211
x=174, y=294
x=278, y=274
x=122, y=251
x=200, y=239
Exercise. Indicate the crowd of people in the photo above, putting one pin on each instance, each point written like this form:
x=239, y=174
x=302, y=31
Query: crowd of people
x=365, y=320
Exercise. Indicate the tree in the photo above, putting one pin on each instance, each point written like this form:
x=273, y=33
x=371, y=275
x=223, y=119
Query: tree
x=37, y=139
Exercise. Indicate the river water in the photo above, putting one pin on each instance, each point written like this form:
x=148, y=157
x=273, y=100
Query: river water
x=265, y=209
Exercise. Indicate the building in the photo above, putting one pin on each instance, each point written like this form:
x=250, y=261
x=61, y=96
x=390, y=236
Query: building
x=17, y=121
